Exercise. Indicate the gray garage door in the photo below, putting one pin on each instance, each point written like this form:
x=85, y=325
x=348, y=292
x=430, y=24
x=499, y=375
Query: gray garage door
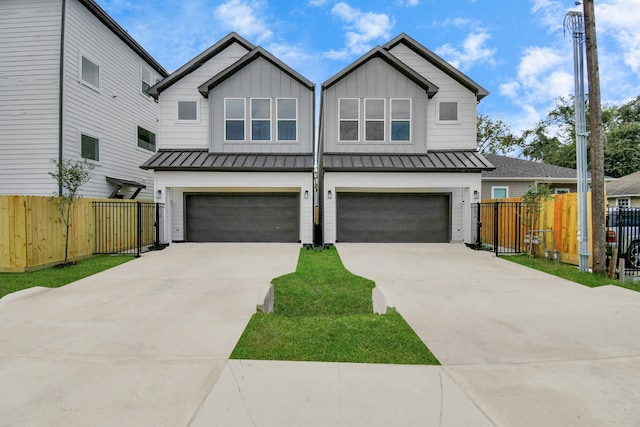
x=384, y=217
x=244, y=217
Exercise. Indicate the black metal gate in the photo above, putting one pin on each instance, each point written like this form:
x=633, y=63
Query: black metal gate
x=128, y=227
x=623, y=238
x=498, y=227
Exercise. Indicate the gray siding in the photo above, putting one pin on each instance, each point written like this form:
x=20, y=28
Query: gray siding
x=29, y=76
x=518, y=188
x=375, y=79
x=261, y=79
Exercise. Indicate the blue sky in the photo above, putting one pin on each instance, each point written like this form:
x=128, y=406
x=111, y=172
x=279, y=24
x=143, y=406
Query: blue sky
x=515, y=49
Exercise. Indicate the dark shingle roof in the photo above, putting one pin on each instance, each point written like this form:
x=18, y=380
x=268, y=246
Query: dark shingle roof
x=203, y=160
x=434, y=161
x=509, y=167
x=628, y=185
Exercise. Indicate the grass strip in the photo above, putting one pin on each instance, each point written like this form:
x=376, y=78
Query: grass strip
x=323, y=313
x=570, y=272
x=55, y=277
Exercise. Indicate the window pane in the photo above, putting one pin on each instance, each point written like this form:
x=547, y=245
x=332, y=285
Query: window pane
x=90, y=72
x=260, y=108
x=234, y=130
x=89, y=148
x=448, y=111
x=260, y=130
x=287, y=109
x=187, y=110
x=234, y=108
x=374, y=131
x=349, y=109
x=499, y=193
x=146, y=139
x=374, y=109
x=400, y=109
x=348, y=131
x=147, y=79
x=400, y=131
x=287, y=130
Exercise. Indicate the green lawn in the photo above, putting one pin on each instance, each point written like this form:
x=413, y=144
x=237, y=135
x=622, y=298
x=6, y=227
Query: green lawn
x=322, y=312
x=55, y=277
x=569, y=272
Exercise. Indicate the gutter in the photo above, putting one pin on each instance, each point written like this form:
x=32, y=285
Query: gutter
x=61, y=90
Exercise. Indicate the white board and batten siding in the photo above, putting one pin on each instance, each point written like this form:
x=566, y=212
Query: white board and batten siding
x=112, y=112
x=262, y=79
x=442, y=135
x=176, y=134
x=29, y=84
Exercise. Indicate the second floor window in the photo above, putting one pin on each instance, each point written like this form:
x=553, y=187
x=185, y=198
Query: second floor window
x=287, y=119
x=400, y=120
x=374, y=118
x=234, y=119
x=146, y=139
x=89, y=147
x=448, y=112
x=260, y=119
x=349, y=110
x=90, y=72
x=187, y=110
x=148, y=79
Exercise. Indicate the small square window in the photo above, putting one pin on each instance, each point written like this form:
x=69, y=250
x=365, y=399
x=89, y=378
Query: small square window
x=146, y=139
x=89, y=148
x=499, y=192
x=448, y=111
x=90, y=72
x=188, y=110
x=623, y=203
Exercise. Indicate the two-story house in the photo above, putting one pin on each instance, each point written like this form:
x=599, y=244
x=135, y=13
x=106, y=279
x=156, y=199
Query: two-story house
x=73, y=86
x=235, y=158
x=398, y=155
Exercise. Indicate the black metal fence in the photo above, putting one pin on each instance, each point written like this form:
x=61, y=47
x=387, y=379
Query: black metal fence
x=128, y=227
x=623, y=239
x=499, y=227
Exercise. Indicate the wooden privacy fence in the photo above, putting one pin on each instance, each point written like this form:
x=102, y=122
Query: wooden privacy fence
x=503, y=229
x=32, y=234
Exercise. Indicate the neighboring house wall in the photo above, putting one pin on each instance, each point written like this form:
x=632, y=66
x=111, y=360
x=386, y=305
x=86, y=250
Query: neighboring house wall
x=518, y=188
x=192, y=134
x=29, y=85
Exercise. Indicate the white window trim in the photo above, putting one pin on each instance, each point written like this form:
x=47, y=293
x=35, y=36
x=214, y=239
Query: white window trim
x=97, y=63
x=270, y=120
x=499, y=187
x=448, y=122
x=184, y=121
x=137, y=139
x=391, y=120
x=94, y=136
x=278, y=120
x=561, y=190
x=349, y=120
x=623, y=198
x=383, y=120
x=224, y=120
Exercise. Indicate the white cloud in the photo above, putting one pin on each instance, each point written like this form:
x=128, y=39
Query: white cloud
x=408, y=3
x=550, y=13
x=621, y=20
x=243, y=17
x=473, y=50
x=363, y=30
x=318, y=3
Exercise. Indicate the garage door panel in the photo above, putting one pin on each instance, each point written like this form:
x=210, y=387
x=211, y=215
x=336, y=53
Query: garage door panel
x=246, y=217
x=388, y=217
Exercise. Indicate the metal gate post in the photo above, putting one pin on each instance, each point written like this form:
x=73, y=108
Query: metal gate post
x=495, y=227
x=139, y=234
x=157, y=225
x=479, y=227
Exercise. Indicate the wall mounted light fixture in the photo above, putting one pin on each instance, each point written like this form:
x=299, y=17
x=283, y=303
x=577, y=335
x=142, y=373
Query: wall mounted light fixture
x=475, y=194
x=329, y=194
x=306, y=194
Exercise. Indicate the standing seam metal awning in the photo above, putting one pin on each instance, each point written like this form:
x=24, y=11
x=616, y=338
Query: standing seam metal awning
x=203, y=160
x=434, y=161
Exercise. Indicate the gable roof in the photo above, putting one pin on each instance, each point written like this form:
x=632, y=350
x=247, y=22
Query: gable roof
x=198, y=61
x=112, y=25
x=518, y=169
x=381, y=53
x=440, y=63
x=255, y=53
x=628, y=185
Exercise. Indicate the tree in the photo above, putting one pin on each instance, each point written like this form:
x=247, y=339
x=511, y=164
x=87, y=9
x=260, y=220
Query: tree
x=494, y=136
x=532, y=201
x=70, y=176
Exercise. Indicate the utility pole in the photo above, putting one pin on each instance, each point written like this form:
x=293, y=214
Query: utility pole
x=597, y=142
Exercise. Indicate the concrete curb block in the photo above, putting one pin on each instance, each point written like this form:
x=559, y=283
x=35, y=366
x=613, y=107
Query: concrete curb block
x=381, y=301
x=23, y=294
x=265, y=304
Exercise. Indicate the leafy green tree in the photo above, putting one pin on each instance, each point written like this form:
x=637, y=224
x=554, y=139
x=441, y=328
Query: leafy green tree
x=532, y=201
x=70, y=176
x=494, y=136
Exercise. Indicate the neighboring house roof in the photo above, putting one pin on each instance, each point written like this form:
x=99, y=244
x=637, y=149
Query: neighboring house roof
x=203, y=160
x=198, y=61
x=509, y=168
x=434, y=161
x=254, y=54
x=628, y=185
x=381, y=53
x=439, y=63
x=99, y=13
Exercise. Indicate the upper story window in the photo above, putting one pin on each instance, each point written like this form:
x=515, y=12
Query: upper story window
x=374, y=117
x=146, y=139
x=400, y=119
x=234, y=114
x=148, y=78
x=287, y=116
x=448, y=111
x=349, y=110
x=260, y=119
x=89, y=147
x=90, y=72
x=188, y=111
